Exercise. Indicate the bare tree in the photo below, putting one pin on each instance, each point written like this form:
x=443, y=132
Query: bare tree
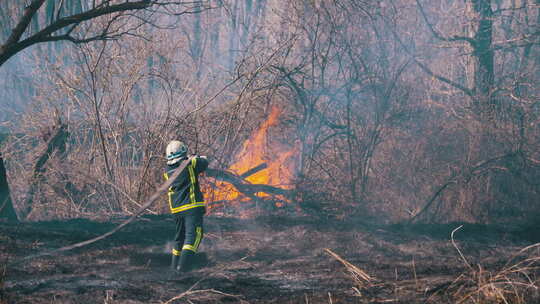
x=75, y=21
x=488, y=43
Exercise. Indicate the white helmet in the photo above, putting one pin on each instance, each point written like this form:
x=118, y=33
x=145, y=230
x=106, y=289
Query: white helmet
x=176, y=150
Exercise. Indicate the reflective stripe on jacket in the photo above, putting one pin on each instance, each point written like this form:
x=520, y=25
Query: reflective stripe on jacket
x=185, y=193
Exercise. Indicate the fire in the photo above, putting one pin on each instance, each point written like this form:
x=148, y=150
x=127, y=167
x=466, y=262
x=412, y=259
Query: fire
x=256, y=151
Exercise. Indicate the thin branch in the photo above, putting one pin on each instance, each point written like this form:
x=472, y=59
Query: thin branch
x=193, y=292
x=21, y=27
x=437, y=35
x=474, y=170
x=426, y=69
x=60, y=7
x=457, y=248
x=91, y=14
x=13, y=45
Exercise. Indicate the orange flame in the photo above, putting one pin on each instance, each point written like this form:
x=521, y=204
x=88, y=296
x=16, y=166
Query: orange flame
x=256, y=151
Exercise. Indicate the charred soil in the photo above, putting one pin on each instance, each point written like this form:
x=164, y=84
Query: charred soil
x=265, y=260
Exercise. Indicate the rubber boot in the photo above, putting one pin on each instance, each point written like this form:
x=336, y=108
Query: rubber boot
x=186, y=261
x=174, y=262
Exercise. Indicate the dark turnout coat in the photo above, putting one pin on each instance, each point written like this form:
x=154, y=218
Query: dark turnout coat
x=185, y=193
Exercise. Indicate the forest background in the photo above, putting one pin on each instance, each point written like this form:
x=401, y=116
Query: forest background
x=398, y=110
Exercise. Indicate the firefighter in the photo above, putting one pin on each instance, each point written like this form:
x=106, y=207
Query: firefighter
x=186, y=203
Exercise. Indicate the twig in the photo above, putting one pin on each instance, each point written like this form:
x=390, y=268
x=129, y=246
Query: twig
x=113, y=185
x=355, y=271
x=190, y=291
x=457, y=248
x=187, y=292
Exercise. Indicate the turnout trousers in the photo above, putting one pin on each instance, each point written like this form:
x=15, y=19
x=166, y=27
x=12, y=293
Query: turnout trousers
x=187, y=238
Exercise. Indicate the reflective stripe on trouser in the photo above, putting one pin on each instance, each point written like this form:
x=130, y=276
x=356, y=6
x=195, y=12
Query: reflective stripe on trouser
x=195, y=245
x=189, y=231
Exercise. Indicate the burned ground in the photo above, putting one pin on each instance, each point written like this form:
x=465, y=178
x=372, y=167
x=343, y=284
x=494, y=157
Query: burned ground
x=273, y=259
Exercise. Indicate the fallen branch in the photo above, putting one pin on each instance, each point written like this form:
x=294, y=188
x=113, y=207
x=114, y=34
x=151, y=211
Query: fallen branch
x=244, y=186
x=254, y=170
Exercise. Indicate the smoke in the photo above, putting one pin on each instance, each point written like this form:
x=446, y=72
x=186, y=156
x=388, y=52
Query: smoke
x=17, y=88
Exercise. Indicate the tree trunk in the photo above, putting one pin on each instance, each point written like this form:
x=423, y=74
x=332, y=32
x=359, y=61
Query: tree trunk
x=6, y=205
x=56, y=142
x=483, y=57
x=233, y=32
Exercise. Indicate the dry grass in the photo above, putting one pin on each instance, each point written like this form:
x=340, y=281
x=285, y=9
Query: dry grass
x=362, y=281
x=360, y=277
x=206, y=295
x=203, y=294
x=515, y=282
